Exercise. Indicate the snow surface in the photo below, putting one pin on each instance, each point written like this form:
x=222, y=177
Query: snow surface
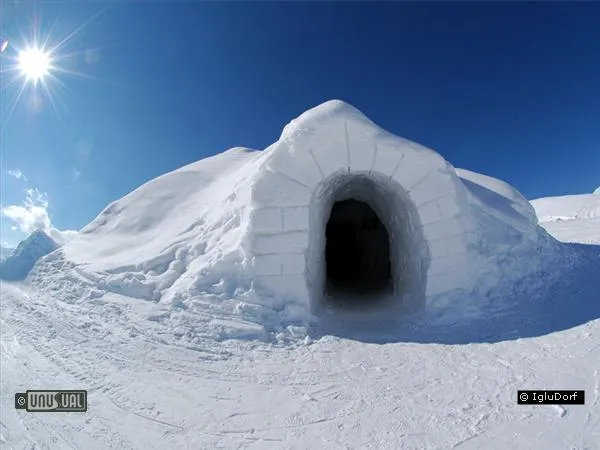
x=568, y=207
x=155, y=382
x=555, y=214
x=503, y=199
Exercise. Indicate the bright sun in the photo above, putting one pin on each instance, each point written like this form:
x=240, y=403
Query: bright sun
x=34, y=64
x=36, y=67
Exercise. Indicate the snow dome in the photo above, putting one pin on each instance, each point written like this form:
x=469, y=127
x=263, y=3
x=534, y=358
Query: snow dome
x=337, y=213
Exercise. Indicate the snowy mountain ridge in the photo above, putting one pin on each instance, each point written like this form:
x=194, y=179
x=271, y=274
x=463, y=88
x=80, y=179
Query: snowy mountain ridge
x=5, y=252
x=24, y=257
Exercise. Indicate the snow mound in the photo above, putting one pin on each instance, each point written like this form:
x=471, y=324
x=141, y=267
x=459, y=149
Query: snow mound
x=557, y=215
x=28, y=252
x=194, y=201
x=500, y=198
x=568, y=207
x=236, y=245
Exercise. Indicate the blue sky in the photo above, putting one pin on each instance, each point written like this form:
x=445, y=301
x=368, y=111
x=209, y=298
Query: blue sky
x=511, y=90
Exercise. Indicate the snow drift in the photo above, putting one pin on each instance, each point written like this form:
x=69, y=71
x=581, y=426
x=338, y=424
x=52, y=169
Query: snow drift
x=248, y=230
x=568, y=207
x=557, y=213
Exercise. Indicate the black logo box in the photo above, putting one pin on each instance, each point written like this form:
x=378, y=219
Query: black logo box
x=23, y=399
x=550, y=397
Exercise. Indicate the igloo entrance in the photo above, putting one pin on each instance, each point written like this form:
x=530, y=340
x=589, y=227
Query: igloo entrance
x=357, y=251
x=366, y=245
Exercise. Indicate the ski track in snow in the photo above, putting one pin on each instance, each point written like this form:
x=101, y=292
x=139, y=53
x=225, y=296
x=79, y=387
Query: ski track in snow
x=331, y=394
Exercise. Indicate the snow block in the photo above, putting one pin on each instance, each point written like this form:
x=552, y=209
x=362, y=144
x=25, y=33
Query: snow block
x=276, y=189
x=293, y=263
x=361, y=148
x=267, y=265
x=448, y=263
x=295, y=218
x=448, y=281
x=413, y=169
x=331, y=154
x=443, y=229
x=435, y=186
x=298, y=163
x=292, y=287
x=448, y=206
x=439, y=210
x=293, y=242
x=430, y=212
x=443, y=248
x=266, y=220
x=386, y=158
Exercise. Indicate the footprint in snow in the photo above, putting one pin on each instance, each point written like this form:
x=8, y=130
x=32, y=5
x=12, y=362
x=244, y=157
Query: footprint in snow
x=562, y=412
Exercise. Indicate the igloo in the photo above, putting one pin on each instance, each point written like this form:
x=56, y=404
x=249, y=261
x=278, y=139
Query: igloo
x=337, y=213
x=342, y=208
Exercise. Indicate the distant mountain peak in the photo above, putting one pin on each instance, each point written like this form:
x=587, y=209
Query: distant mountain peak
x=39, y=235
x=28, y=252
x=5, y=252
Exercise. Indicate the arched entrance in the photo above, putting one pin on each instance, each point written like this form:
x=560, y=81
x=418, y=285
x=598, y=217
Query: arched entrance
x=357, y=250
x=366, y=246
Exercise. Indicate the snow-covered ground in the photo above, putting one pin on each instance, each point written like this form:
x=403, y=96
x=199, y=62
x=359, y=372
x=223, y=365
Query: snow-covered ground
x=556, y=213
x=155, y=381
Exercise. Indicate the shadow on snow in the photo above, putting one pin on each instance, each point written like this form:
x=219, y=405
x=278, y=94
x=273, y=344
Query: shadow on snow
x=533, y=307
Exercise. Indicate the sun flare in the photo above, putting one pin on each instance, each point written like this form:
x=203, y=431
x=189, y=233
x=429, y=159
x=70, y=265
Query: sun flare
x=35, y=64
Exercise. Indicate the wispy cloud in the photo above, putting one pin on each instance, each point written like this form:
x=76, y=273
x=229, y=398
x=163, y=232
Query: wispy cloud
x=17, y=174
x=82, y=155
x=33, y=215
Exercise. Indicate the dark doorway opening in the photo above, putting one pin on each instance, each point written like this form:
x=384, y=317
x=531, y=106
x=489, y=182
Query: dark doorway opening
x=357, y=251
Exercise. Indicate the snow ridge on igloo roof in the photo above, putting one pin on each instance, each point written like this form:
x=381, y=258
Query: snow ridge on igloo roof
x=484, y=188
x=501, y=187
x=333, y=112
x=325, y=111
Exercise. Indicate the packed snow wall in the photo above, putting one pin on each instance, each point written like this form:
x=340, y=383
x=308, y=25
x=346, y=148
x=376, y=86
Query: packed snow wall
x=334, y=153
